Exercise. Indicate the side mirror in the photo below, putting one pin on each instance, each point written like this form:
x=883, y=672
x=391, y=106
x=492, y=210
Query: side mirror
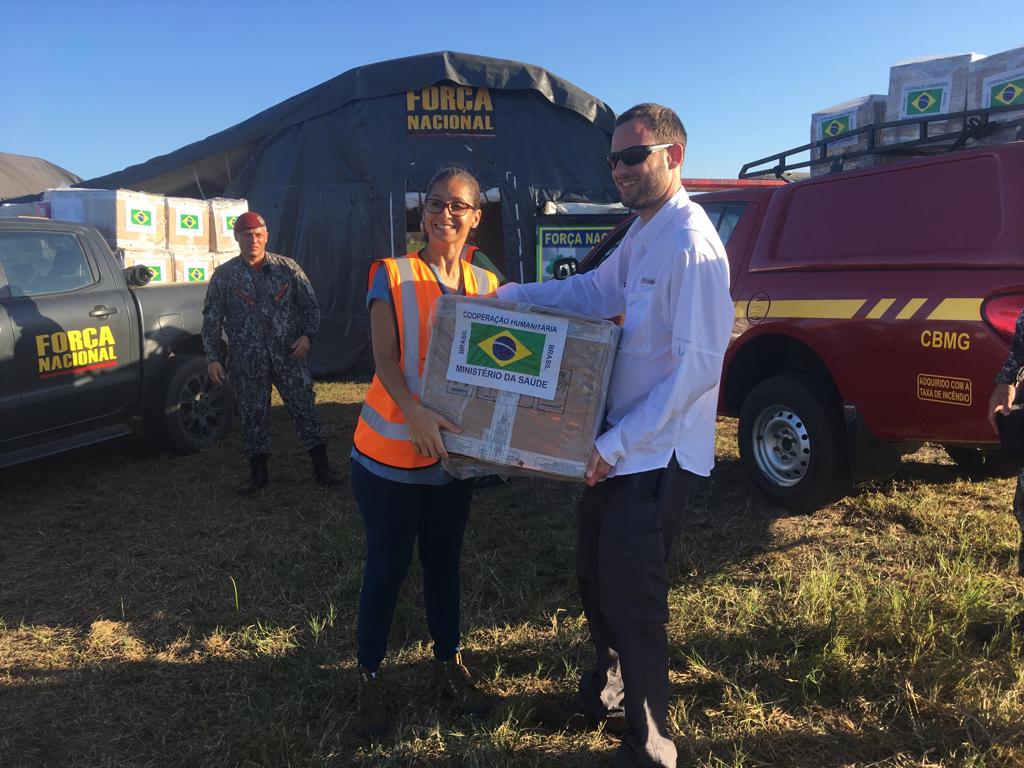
x=564, y=267
x=138, y=275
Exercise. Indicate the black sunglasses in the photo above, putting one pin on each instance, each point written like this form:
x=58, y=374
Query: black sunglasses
x=634, y=155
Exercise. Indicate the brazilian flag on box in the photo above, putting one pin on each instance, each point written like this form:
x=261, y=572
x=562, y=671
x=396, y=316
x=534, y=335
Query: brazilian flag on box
x=189, y=221
x=835, y=126
x=196, y=274
x=1010, y=94
x=158, y=273
x=502, y=349
x=924, y=101
x=141, y=217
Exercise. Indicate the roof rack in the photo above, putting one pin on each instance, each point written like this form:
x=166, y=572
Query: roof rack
x=974, y=124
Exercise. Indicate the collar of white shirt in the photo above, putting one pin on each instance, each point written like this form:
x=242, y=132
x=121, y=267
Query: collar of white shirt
x=643, y=235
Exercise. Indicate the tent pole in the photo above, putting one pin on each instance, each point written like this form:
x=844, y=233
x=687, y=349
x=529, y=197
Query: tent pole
x=391, y=219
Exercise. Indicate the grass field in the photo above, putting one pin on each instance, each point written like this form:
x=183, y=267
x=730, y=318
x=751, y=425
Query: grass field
x=150, y=617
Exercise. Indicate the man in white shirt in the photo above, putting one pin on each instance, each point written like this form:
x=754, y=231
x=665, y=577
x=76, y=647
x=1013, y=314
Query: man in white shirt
x=670, y=279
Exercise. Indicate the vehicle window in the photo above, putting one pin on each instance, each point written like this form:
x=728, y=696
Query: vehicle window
x=607, y=246
x=43, y=262
x=731, y=213
x=714, y=211
x=725, y=217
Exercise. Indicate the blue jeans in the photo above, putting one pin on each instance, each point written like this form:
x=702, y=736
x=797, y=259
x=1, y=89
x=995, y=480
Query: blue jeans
x=395, y=517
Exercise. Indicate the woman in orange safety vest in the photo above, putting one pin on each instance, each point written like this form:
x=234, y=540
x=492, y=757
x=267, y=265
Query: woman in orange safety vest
x=403, y=493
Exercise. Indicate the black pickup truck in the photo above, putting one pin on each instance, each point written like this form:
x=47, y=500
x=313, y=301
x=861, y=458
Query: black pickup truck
x=87, y=349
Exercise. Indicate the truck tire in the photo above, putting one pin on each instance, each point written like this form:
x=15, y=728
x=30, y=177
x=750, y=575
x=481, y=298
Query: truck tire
x=191, y=415
x=792, y=443
x=983, y=462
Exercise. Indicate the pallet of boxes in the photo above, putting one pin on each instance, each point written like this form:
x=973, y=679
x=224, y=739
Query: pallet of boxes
x=922, y=88
x=527, y=385
x=180, y=239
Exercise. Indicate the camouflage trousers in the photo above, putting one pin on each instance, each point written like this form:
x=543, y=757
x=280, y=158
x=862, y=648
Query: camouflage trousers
x=1018, y=512
x=295, y=385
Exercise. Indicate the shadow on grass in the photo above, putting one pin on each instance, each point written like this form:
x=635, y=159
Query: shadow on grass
x=189, y=573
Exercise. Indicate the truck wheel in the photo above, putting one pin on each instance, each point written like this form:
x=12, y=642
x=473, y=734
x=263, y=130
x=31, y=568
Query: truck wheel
x=191, y=414
x=984, y=462
x=792, y=443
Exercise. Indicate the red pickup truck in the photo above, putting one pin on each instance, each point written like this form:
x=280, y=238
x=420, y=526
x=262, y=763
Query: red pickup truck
x=873, y=309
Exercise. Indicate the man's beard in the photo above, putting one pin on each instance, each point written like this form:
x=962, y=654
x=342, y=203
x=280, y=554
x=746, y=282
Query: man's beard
x=646, y=193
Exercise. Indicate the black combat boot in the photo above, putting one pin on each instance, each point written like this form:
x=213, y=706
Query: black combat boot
x=322, y=472
x=258, y=477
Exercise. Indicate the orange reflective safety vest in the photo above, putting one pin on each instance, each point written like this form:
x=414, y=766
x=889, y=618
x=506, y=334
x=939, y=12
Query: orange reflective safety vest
x=467, y=253
x=382, y=433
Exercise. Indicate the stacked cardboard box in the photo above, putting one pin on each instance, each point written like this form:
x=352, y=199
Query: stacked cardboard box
x=526, y=384
x=159, y=260
x=188, y=237
x=223, y=212
x=188, y=224
x=998, y=81
x=180, y=238
x=841, y=119
x=192, y=267
x=935, y=85
x=125, y=218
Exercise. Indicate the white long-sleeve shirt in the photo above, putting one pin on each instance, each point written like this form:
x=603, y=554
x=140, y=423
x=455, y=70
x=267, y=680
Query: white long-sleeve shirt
x=670, y=279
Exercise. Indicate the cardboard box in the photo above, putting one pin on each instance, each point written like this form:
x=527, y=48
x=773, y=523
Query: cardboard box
x=998, y=81
x=845, y=118
x=925, y=87
x=125, y=218
x=188, y=223
x=159, y=260
x=223, y=212
x=526, y=384
x=39, y=210
x=192, y=266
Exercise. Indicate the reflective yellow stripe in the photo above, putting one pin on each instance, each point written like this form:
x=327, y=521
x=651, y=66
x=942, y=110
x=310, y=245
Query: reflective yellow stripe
x=957, y=309
x=908, y=311
x=880, y=308
x=830, y=309
x=964, y=310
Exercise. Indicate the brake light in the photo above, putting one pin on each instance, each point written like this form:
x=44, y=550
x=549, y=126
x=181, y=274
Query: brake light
x=1001, y=313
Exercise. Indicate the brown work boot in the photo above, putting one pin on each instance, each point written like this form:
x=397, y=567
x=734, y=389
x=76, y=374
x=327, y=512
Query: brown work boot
x=454, y=683
x=570, y=715
x=373, y=710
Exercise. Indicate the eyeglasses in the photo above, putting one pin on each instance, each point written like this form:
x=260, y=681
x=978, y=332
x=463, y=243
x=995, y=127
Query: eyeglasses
x=634, y=155
x=455, y=207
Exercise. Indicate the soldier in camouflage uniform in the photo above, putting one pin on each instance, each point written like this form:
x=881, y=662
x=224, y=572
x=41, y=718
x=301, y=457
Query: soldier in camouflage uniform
x=1002, y=399
x=265, y=305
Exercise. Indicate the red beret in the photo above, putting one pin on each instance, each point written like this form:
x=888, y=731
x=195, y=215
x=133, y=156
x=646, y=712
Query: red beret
x=249, y=220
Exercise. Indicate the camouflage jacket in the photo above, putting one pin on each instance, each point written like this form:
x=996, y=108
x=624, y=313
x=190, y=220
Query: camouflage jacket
x=262, y=312
x=1010, y=371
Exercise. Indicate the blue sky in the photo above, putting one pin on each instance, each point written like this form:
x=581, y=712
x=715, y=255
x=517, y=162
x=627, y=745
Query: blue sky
x=97, y=86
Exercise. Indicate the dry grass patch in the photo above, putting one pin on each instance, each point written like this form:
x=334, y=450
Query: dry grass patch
x=151, y=617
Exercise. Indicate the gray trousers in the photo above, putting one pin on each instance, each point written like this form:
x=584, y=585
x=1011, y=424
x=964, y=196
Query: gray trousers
x=295, y=384
x=627, y=527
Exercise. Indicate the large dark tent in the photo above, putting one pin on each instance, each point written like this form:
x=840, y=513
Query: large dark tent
x=332, y=169
x=25, y=176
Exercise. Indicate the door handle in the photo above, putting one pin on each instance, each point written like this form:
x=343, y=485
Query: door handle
x=101, y=311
